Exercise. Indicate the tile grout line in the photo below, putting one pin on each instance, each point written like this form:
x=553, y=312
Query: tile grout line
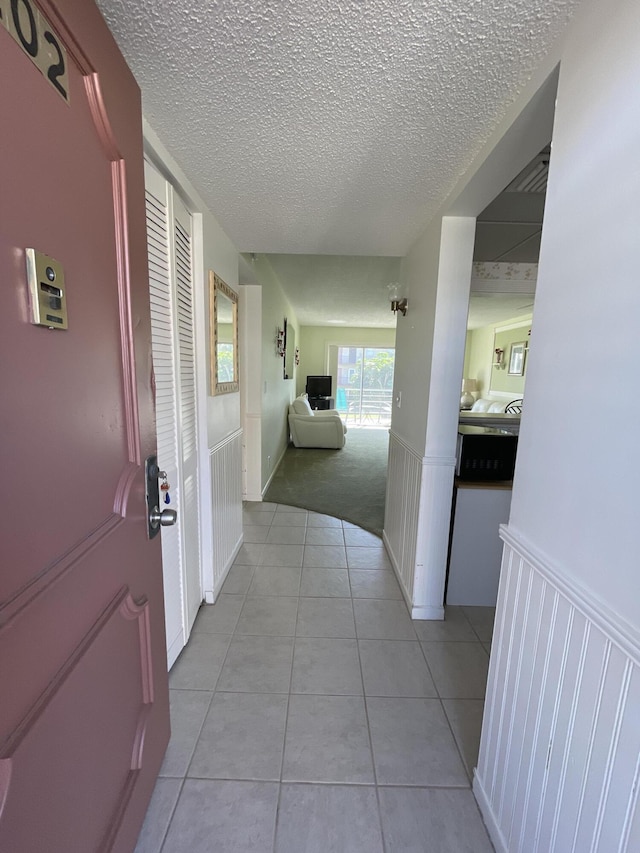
x=183, y=779
x=286, y=716
x=173, y=811
x=213, y=693
x=234, y=634
x=366, y=715
x=446, y=716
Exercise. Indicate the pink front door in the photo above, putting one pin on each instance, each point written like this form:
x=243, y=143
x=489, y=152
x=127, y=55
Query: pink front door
x=83, y=684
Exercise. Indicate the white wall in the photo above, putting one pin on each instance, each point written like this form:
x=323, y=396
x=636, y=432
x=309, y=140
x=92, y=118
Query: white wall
x=408, y=472
x=276, y=392
x=430, y=347
x=414, y=339
x=250, y=323
x=439, y=271
x=586, y=313
x=558, y=769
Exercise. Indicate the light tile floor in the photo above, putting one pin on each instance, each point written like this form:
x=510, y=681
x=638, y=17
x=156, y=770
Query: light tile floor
x=311, y=715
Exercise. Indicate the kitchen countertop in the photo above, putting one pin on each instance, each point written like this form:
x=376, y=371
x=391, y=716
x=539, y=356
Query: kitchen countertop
x=493, y=419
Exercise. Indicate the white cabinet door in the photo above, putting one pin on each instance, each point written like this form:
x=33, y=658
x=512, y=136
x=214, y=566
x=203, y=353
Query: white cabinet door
x=476, y=547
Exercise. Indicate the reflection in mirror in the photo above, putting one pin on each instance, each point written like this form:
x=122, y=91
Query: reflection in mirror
x=223, y=314
x=290, y=351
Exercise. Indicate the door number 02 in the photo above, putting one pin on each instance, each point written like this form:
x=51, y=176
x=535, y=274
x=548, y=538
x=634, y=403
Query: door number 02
x=29, y=27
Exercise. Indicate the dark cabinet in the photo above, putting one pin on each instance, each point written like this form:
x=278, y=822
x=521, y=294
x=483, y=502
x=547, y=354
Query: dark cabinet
x=322, y=403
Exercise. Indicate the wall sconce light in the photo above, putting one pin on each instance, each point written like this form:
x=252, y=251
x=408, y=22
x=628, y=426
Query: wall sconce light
x=499, y=361
x=398, y=302
x=280, y=342
x=468, y=387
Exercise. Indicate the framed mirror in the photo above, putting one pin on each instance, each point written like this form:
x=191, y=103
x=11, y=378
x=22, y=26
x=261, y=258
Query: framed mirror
x=223, y=333
x=516, y=358
x=289, y=349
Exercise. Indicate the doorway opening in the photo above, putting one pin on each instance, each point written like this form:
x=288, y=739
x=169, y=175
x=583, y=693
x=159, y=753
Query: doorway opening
x=502, y=293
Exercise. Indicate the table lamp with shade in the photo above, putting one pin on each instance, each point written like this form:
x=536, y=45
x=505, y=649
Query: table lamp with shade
x=468, y=387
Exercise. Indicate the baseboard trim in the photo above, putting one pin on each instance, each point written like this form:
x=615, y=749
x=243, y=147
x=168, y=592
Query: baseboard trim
x=488, y=817
x=211, y=595
x=174, y=649
x=422, y=612
x=428, y=611
x=273, y=473
x=394, y=566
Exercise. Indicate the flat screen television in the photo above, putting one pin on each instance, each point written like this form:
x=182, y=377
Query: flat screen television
x=319, y=386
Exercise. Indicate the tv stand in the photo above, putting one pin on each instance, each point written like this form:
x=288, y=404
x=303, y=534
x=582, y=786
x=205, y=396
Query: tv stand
x=322, y=403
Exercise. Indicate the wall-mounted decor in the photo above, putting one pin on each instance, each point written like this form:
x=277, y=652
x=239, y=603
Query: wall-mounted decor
x=508, y=356
x=399, y=302
x=223, y=336
x=516, y=358
x=280, y=333
x=289, y=349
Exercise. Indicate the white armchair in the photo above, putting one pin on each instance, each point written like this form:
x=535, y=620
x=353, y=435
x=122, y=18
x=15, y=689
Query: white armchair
x=315, y=429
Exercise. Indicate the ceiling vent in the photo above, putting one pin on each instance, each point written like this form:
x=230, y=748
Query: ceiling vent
x=533, y=179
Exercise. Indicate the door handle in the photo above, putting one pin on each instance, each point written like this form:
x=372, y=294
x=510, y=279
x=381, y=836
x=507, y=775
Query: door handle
x=163, y=519
x=156, y=518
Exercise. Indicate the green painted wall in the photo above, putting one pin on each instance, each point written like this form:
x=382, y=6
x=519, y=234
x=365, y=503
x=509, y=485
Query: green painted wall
x=276, y=392
x=478, y=358
x=314, y=342
x=480, y=355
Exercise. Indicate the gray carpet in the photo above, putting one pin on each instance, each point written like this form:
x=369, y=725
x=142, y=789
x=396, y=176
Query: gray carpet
x=349, y=483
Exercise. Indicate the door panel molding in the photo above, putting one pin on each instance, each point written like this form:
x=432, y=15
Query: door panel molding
x=77, y=593
x=107, y=139
x=128, y=610
x=128, y=483
x=84, y=716
x=101, y=117
x=130, y=382
x=104, y=130
x=56, y=570
x=71, y=44
x=53, y=727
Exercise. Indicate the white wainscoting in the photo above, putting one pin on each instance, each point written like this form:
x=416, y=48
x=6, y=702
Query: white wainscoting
x=404, y=475
x=225, y=460
x=252, y=457
x=559, y=764
x=416, y=525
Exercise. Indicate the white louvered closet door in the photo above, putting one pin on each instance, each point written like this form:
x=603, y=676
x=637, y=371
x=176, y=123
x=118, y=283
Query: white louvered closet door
x=171, y=294
x=187, y=434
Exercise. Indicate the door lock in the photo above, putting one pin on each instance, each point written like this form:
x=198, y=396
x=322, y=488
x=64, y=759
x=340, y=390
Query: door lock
x=156, y=518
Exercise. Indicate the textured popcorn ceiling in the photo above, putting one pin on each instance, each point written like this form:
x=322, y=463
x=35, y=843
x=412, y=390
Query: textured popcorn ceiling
x=329, y=126
x=338, y=289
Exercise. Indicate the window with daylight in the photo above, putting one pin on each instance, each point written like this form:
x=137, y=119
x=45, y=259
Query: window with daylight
x=365, y=385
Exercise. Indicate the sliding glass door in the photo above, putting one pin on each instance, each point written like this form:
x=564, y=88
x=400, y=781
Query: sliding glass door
x=365, y=385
